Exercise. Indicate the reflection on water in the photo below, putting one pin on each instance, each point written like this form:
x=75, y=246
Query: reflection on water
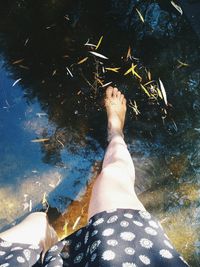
x=48, y=98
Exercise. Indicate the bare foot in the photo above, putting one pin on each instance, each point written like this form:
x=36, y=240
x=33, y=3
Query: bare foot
x=115, y=103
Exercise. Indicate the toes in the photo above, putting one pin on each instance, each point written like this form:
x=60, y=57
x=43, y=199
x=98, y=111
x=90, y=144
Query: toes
x=121, y=97
x=109, y=91
x=115, y=92
x=124, y=101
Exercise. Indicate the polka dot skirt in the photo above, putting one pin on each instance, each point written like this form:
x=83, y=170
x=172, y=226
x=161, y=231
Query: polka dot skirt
x=118, y=238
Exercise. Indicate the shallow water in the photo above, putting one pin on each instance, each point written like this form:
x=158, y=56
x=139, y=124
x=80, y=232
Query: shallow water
x=66, y=109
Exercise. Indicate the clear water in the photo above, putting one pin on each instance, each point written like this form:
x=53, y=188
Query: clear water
x=38, y=43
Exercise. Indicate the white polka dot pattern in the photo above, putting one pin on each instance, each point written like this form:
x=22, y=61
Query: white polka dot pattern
x=108, y=232
x=108, y=255
x=125, y=238
x=166, y=254
x=150, y=231
x=144, y=259
x=128, y=264
x=128, y=236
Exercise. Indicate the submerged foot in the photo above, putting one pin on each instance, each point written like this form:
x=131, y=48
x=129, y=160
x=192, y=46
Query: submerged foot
x=115, y=103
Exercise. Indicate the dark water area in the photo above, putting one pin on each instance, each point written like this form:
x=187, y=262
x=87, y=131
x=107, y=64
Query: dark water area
x=51, y=88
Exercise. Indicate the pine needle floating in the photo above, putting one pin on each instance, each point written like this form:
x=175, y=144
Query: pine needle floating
x=132, y=70
x=76, y=222
x=89, y=44
x=54, y=72
x=30, y=205
x=45, y=203
x=99, y=42
x=18, y=80
x=106, y=84
x=99, y=81
x=98, y=55
x=44, y=199
x=178, y=8
x=40, y=140
x=159, y=93
x=182, y=64
x=82, y=60
x=140, y=15
x=162, y=88
x=149, y=75
x=69, y=72
x=18, y=61
x=145, y=90
x=134, y=107
x=113, y=69
x=65, y=228
x=128, y=56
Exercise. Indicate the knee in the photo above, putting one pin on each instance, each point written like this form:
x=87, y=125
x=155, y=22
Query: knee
x=118, y=169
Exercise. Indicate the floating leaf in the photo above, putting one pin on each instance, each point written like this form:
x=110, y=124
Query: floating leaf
x=40, y=140
x=132, y=69
x=76, y=222
x=99, y=81
x=83, y=60
x=159, y=93
x=99, y=42
x=16, y=81
x=113, y=69
x=89, y=44
x=162, y=88
x=30, y=205
x=134, y=107
x=65, y=228
x=54, y=72
x=44, y=200
x=149, y=75
x=148, y=83
x=69, y=72
x=128, y=71
x=98, y=55
x=18, y=61
x=178, y=8
x=145, y=90
x=128, y=53
x=140, y=15
x=106, y=84
x=182, y=64
x=24, y=67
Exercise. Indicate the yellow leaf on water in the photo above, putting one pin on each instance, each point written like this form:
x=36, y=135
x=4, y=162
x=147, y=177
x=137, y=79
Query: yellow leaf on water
x=182, y=64
x=44, y=200
x=128, y=53
x=99, y=81
x=149, y=75
x=140, y=15
x=145, y=90
x=18, y=61
x=128, y=71
x=65, y=228
x=83, y=60
x=113, y=69
x=99, y=42
x=159, y=93
x=132, y=69
x=40, y=140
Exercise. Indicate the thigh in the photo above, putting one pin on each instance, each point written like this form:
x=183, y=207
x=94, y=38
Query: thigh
x=19, y=255
x=116, y=238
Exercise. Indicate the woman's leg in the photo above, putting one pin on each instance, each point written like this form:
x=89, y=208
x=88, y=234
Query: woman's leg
x=114, y=187
x=33, y=230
